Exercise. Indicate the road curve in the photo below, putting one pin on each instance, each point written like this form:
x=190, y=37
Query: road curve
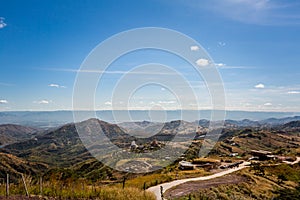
x=166, y=186
x=296, y=161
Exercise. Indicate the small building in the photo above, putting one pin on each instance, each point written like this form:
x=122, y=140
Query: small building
x=285, y=159
x=253, y=158
x=272, y=157
x=154, y=143
x=184, y=165
x=232, y=165
x=133, y=145
x=206, y=163
x=262, y=155
x=234, y=154
x=207, y=166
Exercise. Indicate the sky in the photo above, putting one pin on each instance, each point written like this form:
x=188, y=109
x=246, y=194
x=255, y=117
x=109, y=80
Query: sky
x=254, y=44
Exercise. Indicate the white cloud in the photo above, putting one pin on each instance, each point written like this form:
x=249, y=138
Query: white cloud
x=3, y=101
x=220, y=64
x=262, y=12
x=53, y=85
x=2, y=24
x=108, y=103
x=145, y=72
x=166, y=102
x=202, y=62
x=162, y=89
x=195, y=48
x=44, y=101
x=249, y=11
x=268, y=104
x=56, y=85
x=259, y=86
x=293, y=92
x=254, y=4
x=6, y=84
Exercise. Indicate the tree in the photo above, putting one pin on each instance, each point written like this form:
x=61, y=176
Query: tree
x=281, y=178
x=258, y=169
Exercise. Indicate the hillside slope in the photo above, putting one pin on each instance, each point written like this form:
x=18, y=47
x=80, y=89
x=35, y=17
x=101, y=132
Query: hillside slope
x=15, y=166
x=63, y=146
x=11, y=133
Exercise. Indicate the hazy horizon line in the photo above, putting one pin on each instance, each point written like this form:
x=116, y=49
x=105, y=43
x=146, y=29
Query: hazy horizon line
x=67, y=110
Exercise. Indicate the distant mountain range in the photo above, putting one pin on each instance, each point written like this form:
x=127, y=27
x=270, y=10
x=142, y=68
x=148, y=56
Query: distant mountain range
x=265, y=122
x=47, y=119
x=31, y=150
x=64, y=147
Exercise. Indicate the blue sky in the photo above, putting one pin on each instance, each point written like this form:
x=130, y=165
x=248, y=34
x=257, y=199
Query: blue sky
x=255, y=44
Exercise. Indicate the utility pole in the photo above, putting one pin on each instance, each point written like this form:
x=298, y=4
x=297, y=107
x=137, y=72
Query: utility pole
x=124, y=180
x=144, y=186
x=41, y=185
x=7, y=185
x=162, y=192
x=25, y=186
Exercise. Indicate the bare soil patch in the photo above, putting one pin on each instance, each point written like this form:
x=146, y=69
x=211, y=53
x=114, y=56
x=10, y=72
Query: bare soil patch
x=194, y=186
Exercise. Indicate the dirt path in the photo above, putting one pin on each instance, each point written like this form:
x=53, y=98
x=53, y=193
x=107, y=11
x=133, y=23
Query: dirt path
x=293, y=163
x=166, y=186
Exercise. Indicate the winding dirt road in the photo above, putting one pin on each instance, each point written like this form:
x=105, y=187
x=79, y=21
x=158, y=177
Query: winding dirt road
x=293, y=163
x=166, y=186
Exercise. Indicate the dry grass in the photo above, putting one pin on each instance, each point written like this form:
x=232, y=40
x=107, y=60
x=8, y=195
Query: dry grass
x=150, y=180
x=155, y=179
x=205, y=160
x=82, y=191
